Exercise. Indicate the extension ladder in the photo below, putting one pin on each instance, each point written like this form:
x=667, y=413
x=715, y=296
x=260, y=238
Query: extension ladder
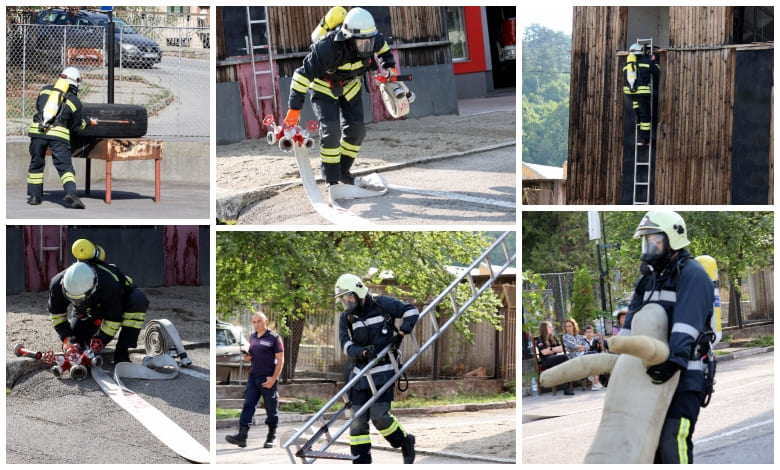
x=251, y=48
x=304, y=449
x=643, y=170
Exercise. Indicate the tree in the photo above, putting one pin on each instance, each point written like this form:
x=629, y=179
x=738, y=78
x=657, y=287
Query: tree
x=556, y=241
x=294, y=273
x=583, y=308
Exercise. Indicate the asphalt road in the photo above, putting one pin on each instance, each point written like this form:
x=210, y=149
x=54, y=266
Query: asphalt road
x=478, y=188
x=49, y=420
x=736, y=428
x=479, y=437
x=188, y=81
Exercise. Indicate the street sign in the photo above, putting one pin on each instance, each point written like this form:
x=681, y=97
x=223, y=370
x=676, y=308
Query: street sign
x=594, y=227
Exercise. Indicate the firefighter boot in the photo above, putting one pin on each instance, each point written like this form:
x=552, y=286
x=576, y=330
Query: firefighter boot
x=407, y=449
x=35, y=192
x=240, y=438
x=331, y=172
x=73, y=200
x=269, y=441
x=128, y=338
x=347, y=177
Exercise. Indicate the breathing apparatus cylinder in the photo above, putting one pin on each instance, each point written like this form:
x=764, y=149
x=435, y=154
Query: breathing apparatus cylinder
x=328, y=23
x=53, y=102
x=85, y=250
x=711, y=266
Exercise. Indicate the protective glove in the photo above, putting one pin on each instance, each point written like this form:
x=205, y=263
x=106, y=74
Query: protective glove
x=662, y=372
x=397, y=339
x=291, y=120
x=368, y=353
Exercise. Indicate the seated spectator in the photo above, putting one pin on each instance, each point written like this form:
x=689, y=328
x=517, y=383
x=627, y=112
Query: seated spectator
x=572, y=341
x=621, y=319
x=593, y=347
x=550, y=351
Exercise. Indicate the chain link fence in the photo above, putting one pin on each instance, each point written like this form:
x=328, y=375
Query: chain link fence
x=166, y=69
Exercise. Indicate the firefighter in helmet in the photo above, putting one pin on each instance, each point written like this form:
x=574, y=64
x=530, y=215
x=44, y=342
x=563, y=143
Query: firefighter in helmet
x=332, y=71
x=366, y=326
x=103, y=301
x=58, y=114
x=641, y=70
x=677, y=282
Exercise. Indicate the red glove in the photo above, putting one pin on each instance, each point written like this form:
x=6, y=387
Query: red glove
x=291, y=120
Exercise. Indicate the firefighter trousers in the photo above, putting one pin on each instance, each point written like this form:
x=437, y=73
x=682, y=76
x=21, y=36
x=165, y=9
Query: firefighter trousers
x=384, y=422
x=61, y=155
x=341, y=133
x=641, y=105
x=676, y=443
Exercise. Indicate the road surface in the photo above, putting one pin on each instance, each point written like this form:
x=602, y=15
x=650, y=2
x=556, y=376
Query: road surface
x=736, y=428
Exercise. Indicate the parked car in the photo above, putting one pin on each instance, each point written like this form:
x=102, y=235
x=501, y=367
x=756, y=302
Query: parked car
x=88, y=29
x=230, y=343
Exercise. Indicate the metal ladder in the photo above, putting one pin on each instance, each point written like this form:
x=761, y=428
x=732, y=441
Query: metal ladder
x=642, y=160
x=43, y=248
x=304, y=449
x=251, y=48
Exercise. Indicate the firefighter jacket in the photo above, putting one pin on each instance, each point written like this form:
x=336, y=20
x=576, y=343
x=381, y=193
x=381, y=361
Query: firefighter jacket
x=374, y=327
x=332, y=69
x=684, y=290
x=646, y=68
x=68, y=118
x=106, y=307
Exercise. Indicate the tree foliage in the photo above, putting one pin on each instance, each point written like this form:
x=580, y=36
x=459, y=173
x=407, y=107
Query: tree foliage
x=583, y=301
x=293, y=273
x=546, y=77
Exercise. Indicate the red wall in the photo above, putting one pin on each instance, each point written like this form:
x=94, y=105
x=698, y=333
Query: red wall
x=475, y=39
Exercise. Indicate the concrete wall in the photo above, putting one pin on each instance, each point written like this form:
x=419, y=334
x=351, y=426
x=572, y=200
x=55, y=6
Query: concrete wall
x=182, y=162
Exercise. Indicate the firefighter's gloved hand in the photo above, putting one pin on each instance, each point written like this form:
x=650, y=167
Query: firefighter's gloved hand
x=397, y=339
x=662, y=372
x=368, y=353
x=291, y=120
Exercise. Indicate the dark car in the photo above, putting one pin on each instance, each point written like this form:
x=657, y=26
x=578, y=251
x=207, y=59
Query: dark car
x=88, y=29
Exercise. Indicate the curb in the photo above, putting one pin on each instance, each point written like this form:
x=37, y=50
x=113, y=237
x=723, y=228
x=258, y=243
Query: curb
x=230, y=206
x=302, y=418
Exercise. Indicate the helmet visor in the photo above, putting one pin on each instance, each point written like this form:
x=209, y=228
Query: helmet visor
x=653, y=244
x=364, y=46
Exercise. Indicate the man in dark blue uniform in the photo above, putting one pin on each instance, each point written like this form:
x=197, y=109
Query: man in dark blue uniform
x=55, y=135
x=640, y=74
x=332, y=70
x=103, y=300
x=266, y=354
x=673, y=279
x=367, y=326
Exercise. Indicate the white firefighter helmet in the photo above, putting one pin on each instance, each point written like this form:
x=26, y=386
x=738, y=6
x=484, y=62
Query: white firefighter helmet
x=668, y=222
x=79, y=282
x=635, y=48
x=359, y=30
x=349, y=283
x=73, y=76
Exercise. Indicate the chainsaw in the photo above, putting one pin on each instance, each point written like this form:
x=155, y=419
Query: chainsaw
x=287, y=136
x=395, y=94
x=74, y=363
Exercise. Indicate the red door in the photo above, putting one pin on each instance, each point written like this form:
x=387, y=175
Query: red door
x=181, y=244
x=45, y=254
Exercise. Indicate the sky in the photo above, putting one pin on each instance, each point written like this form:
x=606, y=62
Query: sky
x=556, y=17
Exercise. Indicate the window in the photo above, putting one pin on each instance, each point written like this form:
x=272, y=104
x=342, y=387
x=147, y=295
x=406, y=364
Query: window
x=754, y=24
x=456, y=29
x=175, y=9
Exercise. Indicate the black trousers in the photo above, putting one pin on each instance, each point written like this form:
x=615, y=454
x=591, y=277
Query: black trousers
x=642, y=107
x=61, y=156
x=341, y=133
x=676, y=444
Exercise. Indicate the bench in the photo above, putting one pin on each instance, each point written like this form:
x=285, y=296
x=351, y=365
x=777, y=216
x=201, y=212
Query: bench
x=118, y=150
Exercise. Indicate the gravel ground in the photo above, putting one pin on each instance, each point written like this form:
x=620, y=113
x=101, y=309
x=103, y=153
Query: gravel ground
x=251, y=164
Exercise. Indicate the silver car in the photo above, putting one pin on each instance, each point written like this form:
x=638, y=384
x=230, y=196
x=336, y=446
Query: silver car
x=230, y=343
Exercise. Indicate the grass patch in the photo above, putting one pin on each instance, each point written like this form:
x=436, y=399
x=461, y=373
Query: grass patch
x=311, y=405
x=762, y=341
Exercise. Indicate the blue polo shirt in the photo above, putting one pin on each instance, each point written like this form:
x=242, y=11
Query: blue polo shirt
x=263, y=351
